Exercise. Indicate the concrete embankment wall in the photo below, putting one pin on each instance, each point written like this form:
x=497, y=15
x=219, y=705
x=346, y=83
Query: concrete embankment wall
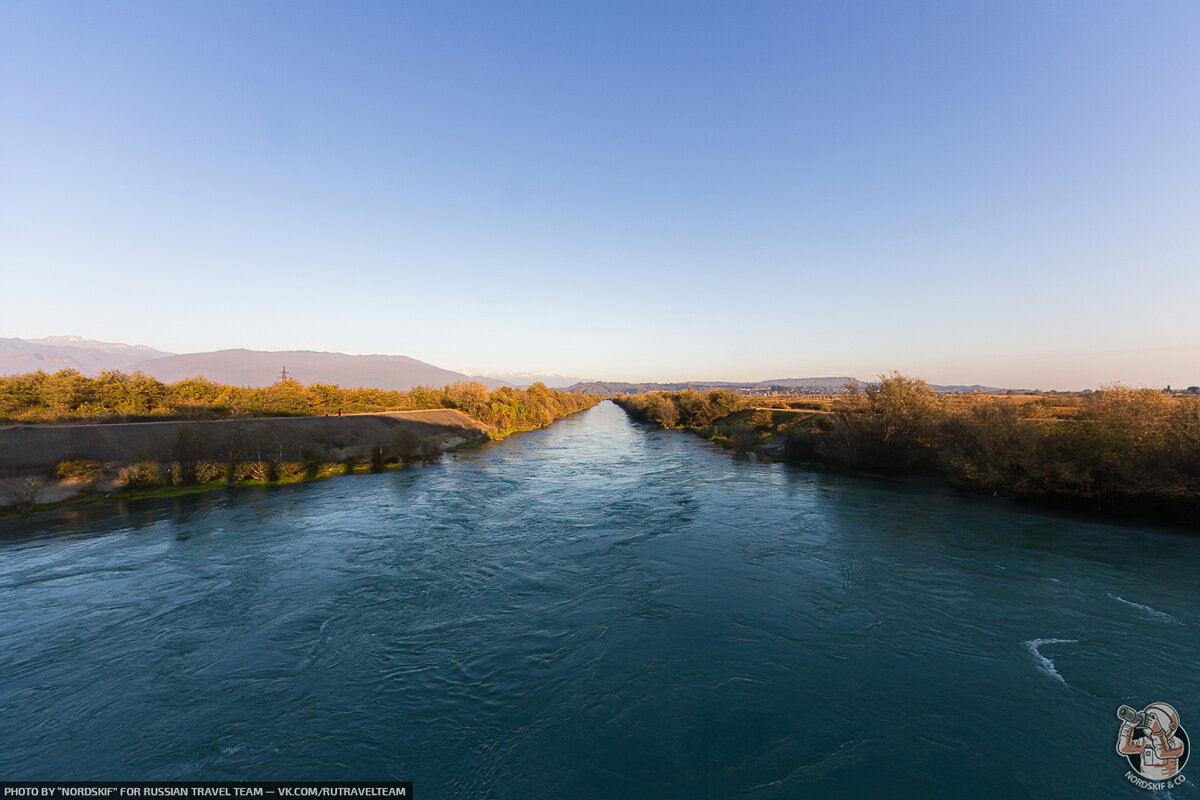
x=37, y=448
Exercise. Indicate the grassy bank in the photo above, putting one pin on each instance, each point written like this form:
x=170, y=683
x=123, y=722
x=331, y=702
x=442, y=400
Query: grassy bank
x=87, y=482
x=165, y=485
x=69, y=446
x=1117, y=450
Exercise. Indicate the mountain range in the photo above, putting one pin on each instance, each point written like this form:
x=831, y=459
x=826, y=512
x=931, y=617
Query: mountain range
x=779, y=385
x=55, y=353
x=775, y=386
x=524, y=380
x=237, y=367
x=262, y=368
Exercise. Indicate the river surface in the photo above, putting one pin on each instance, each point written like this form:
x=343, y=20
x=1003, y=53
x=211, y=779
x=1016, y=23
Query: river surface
x=597, y=609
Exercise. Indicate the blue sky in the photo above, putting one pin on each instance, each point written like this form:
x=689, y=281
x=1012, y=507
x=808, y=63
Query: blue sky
x=997, y=192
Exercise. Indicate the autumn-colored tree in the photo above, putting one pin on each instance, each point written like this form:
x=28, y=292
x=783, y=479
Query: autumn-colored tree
x=68, y=395
x=665, y=412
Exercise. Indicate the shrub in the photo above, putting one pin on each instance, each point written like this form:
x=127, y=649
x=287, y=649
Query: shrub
x=743, y=438
x=80, y=470
x=431, y=449
x=405, y=444
x=208, y=472
x=763, y=420
x=143, y=474
x=291, y=471
x=22, y=492
x=312, y=458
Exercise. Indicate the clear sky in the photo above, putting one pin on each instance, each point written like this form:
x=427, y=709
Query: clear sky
x=1001, y=192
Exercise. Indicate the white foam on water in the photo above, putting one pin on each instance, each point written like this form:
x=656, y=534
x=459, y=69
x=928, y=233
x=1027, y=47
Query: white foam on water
x=1046, y=665
x=1152, y=612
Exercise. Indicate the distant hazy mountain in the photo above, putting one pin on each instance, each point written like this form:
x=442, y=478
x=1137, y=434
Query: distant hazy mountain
x=836, y=384
x=975, y=387
x=69, y=352
x=495, y=383
x=239, y=367
x=262, y=368
x=524, y=380
x=811, y=385
x=106, y=347
x=777, y=385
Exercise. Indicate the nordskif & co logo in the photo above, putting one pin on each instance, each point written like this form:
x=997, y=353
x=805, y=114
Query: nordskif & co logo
x=1155, y=745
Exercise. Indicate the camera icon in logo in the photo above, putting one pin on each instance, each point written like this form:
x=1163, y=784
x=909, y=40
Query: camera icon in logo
x=1153, y=741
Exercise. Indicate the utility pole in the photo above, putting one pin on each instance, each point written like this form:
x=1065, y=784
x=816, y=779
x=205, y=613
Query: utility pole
x=283, y=375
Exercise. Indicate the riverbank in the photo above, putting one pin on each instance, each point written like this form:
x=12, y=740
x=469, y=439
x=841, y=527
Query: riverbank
x=80, y=439
x=1133, y=453
x=48, y=466
x=65, y=494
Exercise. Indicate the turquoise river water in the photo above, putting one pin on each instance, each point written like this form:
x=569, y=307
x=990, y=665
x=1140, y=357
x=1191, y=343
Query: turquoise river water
x=592, y=610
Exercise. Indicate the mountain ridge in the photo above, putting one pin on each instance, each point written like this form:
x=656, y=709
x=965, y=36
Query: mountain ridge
x=238, y=366
x=245, y=367
x=776, y=386
x=54, y=353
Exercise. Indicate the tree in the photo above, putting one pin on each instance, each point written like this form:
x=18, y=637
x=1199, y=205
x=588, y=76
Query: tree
x=665, y=412
x=904, y=405
x=471, y=397
x=66, y=390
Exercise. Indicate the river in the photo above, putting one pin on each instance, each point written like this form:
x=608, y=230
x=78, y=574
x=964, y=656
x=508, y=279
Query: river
x=595, y=609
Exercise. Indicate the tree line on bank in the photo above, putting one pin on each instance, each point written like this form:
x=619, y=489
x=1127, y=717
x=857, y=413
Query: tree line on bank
x=248, y=452
x=1120, y=449
x=68, y=396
